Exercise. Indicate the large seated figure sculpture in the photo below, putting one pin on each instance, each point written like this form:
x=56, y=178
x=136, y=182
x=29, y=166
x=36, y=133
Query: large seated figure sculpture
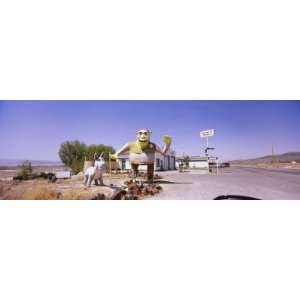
x=142, y=151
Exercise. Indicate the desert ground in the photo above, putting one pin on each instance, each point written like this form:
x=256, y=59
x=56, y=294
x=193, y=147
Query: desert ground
x=63, y=189
x=72, y=189
x=259, y=182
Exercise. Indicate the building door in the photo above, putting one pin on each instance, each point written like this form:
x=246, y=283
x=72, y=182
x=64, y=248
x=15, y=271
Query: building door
x=157, y=162
x=123, y=164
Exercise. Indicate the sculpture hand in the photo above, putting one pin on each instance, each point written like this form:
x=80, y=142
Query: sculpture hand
x=113, y=156
x=167, y=139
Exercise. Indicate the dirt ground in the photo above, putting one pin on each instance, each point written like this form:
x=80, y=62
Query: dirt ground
x=72, y=189
x=62, y=189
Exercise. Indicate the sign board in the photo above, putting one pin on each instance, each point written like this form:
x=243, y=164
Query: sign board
x=63, y=174
x=212, y=158
x=207, y=133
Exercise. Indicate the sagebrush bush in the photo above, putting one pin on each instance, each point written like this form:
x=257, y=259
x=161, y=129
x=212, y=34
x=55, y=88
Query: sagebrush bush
x=25, y=170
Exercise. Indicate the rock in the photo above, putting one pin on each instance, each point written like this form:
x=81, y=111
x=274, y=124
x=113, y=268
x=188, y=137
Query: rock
x=99, y=196
x=118, y=194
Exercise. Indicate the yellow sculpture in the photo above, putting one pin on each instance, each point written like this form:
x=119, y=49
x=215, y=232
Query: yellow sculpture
x=142, y=151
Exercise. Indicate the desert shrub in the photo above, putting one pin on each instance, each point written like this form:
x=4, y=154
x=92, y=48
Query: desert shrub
x=186, y=161
x=25, y=170
x=74, y=153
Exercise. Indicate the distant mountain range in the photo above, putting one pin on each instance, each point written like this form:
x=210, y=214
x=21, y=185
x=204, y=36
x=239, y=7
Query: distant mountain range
x=17, y=162
x=284, y=158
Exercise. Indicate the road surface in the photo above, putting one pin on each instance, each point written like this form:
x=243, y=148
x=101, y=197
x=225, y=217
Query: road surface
x=255, y=182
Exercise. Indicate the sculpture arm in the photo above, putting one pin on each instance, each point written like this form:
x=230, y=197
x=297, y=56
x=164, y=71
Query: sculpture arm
x=164, y=150
x=167, y=140
x=123, y=150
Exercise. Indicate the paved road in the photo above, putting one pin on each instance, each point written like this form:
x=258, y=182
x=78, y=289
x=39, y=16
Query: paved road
x=259, y=183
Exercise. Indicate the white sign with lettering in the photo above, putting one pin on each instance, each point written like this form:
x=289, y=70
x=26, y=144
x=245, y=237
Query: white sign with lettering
x=207, y=133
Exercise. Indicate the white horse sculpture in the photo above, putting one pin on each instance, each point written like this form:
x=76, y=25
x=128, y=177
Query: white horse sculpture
x=95, y=172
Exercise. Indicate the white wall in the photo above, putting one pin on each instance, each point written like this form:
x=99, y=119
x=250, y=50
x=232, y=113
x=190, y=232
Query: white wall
x=199, y=164
x=163, y=161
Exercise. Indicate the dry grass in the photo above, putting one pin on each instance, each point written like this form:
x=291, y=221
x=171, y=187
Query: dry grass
x=28, y=191
x=74, y=195
x=41, y=191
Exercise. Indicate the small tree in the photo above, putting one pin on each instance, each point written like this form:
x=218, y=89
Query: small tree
x=72, y=154
x=186, y=161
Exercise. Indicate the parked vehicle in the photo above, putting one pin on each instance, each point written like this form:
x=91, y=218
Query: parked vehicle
x=225, y=165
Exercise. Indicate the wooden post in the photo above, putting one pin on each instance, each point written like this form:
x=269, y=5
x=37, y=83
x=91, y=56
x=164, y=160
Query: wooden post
x=109, y=163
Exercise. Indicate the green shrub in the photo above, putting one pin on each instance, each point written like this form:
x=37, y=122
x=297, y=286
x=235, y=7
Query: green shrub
x=25, y=170
x=92, y=149
x=74, y=153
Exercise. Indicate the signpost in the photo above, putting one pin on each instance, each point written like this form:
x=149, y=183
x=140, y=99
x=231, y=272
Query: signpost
x=206, y=134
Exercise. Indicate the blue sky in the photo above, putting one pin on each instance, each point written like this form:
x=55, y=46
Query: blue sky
x=244, y=129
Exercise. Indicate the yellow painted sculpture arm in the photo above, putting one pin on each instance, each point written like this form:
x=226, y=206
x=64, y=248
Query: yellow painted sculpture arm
x=167, y=140
x=123, y=150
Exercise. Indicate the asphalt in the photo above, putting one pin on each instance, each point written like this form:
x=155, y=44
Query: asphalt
x=266, y=184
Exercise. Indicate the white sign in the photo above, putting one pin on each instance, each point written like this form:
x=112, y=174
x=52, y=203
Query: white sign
x=207, y=133
x=63, y=174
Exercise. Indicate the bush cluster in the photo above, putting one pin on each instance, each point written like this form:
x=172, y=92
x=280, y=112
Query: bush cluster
x=74, y=153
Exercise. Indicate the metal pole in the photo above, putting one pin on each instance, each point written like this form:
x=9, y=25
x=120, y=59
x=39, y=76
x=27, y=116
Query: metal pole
x=109, y=163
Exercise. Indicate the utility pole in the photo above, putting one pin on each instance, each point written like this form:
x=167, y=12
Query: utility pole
x=273, y=155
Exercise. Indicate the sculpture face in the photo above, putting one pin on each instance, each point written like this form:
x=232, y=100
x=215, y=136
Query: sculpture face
x=143, y=135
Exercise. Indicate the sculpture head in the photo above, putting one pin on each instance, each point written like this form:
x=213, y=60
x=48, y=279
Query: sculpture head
x=143, y=135
x=99, y=157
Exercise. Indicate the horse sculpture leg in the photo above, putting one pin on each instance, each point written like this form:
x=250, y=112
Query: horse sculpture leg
x=90, y=180
x=85, y=180
x=101, y=180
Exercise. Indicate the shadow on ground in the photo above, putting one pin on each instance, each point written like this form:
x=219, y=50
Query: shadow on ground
x=171, y=182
